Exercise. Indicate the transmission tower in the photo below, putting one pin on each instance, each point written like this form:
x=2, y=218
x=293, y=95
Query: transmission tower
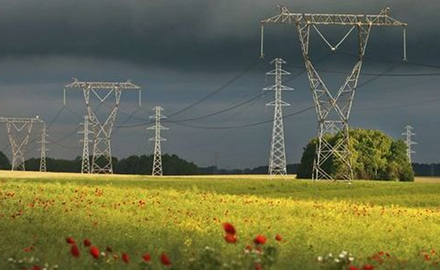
x=85, y=161
x=408, y=141
x=277, y=159
x=19, y=130
x=43, y=149
x=333, y=109
x=157, y=160
x=102, y=130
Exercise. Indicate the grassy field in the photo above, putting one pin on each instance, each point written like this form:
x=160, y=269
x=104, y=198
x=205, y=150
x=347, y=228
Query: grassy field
x=389, y=225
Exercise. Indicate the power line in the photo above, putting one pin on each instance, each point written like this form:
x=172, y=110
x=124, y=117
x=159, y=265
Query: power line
x=242, y=126
x=216, y=91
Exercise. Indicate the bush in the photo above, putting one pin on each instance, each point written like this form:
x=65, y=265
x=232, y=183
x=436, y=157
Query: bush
x=375, y=156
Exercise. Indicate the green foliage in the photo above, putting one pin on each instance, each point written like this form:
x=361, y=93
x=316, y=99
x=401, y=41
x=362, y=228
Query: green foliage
x=172, y=165
x=375, y=156
x=4, y=162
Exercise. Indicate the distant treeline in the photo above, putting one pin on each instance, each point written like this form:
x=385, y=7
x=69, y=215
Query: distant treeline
x=423, y=169
x=173, y=165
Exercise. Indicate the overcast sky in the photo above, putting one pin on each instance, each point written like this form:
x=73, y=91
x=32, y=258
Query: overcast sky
x=180, y=52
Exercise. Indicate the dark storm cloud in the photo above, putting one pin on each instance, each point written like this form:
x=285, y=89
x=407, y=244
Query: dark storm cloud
x=189, y=34
x=180, y=51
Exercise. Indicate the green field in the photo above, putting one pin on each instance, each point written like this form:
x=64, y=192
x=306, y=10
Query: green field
x=183, y=215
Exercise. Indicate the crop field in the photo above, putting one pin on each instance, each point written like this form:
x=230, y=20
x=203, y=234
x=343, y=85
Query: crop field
x=141, y=222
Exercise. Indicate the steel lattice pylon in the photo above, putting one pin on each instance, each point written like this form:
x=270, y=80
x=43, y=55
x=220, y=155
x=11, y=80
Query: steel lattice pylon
x=408, y=141
x=85, y=160
x=277, y=159
x=43, y=149
x=333, y=109
x=157, y=160
x=19, y=130
x=102, y=155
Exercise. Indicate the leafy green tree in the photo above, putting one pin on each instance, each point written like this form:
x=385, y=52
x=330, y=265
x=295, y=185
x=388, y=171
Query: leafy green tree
x=4, y=162
x=375, y=156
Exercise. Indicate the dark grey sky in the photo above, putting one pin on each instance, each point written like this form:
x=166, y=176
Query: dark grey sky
x=180, y=51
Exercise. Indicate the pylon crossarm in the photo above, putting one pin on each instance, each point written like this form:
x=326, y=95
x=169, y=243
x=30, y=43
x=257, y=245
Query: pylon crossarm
x=128, y=85
x=286, y=17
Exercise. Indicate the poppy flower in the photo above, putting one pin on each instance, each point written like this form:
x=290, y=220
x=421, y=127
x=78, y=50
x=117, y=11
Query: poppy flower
x=146, y=257
x=427, y=258
x=368, y=267
x=87, y=242
x=94, y=251
x=125, y=257
x=230, y=238
x=70, y=240
x=260, y=239
x=278, y=238
x=165, y=259
x=74, y=250
x=352, y=267
x=229, y=228
x=258, y=266
x=36, y=267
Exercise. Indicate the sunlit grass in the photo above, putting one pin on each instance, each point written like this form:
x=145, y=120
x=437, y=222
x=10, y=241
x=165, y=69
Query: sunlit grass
x=182, y=215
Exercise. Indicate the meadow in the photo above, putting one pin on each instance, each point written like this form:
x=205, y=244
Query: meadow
x=379, y=225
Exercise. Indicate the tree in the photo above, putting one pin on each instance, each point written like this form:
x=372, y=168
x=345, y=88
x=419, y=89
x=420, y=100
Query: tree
x=374, y=156
x=4, y=162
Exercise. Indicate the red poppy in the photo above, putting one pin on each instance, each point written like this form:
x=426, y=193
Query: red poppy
x=147, y=257
x=229, y=228
x=368, y=267
x=87, y=242
x=230, y=238
x=94, y=251
x=260, y=239
x=258, y=266
x=125, y=257
x=278, y=237
x=427, y=258
x=70, y=240
x=36, y=267
x=74, y=250
x=352, y=267
x=165, y=259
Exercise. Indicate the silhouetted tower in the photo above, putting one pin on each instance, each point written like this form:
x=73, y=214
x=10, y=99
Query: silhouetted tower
x=277, y=159
x=157, y=160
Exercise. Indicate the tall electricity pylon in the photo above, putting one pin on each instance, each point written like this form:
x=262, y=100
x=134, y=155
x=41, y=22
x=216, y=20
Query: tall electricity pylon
x=333, y=108
x=19, y=130
x=157, y=160
x=277, y=159
x=85, y=160
x=408, y=141
x=43, y=149
x=102, y=154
